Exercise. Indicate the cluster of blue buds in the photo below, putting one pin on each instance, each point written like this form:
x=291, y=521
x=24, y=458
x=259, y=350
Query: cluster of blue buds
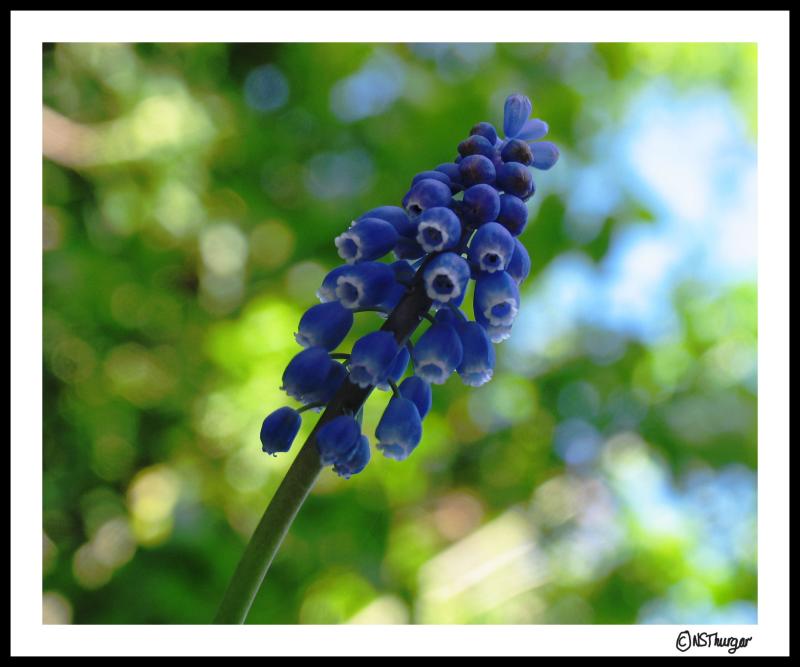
x=458, y=222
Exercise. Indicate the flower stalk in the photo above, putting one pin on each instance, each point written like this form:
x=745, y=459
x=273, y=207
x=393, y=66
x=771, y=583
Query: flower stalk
x=458, y=223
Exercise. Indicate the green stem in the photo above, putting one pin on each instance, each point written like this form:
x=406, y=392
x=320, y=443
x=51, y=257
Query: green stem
x=268, y=535
x=310, y=406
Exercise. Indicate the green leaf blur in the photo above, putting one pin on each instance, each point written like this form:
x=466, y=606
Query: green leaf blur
x=191, y=196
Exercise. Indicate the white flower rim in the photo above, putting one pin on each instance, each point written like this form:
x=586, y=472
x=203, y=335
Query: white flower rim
x=494, y=250
x=475, y=376
x=340, y=241
x=421, y=237
x=303, y=340
x=433, y=275
x=354, y=282
x=366, y=370
x=506, y=321
x=498, y=334
x=444, y=373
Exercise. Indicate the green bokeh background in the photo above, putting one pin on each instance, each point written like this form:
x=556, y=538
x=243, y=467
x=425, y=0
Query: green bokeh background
x=186, y=230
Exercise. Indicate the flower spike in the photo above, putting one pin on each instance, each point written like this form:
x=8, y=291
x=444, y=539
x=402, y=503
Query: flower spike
x=459, y=221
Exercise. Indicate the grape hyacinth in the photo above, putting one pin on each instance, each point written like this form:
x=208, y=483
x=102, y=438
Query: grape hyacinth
x=459, y=222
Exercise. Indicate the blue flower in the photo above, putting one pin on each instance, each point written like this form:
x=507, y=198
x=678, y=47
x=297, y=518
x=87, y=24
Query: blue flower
x=397, y=370
x=476, y=145
x=372, y=358
x=324, y=325
x=432, y=228
x=395, y=216
x=279, y=430
x=418, y=391
x=450, y=315
x=516, y=179
x=491, y=247
x=435, y=175
x=330, y=385
x=366, y=239
x=452, y=172
x=426, y=194
x=477, y=364
x=516, y=150
x=455, y=301
x=516, y=111
x=403, y=271
x=475, y=169
x=404, y=275
x=497, y=334
x=513, y=214
x=438, y=228
x=485, y=130
x=306, y=373
x=480, y=204
x=517, y=126
x=327, y=291
x=545, y=155
x=533, y=130
x=337, y=440
x=356, y=462
x=446, y=277
x=399, y=430
x=520, y=265
x=408, y=249
x=364, y=285
x=437, y=353
x=391, y=300
x=496, y=299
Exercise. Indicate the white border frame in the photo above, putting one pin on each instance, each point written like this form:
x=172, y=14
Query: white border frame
x=770, y=30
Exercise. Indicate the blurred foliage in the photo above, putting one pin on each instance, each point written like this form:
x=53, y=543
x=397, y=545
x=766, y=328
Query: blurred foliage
x=189, y=210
